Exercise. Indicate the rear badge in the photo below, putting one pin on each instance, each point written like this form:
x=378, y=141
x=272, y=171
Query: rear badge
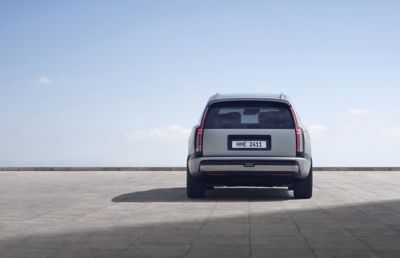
x=248, y=165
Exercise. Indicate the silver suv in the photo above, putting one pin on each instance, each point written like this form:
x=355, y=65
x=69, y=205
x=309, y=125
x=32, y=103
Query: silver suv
x=249, y=140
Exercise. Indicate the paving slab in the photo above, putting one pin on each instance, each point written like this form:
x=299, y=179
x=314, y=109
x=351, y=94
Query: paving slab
x=147, y=214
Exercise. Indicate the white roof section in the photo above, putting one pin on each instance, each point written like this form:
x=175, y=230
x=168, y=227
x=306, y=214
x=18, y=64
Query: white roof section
x=249, y=96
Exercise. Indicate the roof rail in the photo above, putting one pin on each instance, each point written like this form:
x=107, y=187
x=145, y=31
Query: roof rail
x=282, y=96
x=213, y=97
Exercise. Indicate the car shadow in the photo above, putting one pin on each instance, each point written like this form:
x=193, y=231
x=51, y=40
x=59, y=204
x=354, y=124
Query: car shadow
x=220, y=193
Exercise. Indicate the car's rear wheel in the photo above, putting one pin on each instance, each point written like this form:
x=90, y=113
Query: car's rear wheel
x=303, y=188
x=195, y=188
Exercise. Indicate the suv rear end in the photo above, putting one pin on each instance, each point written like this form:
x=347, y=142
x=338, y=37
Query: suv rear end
x=249, y=140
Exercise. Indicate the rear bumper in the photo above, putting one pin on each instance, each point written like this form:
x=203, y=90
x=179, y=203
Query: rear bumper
x=249, y=166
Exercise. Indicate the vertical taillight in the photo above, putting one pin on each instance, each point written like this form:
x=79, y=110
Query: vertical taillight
x=299, y=135
x=299, y=140
x=199, y=140
x=199, y=135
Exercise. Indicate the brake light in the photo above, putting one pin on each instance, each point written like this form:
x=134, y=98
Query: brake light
x=299, y=134
x=199, y=140
x=199, y=134
x=299, y=140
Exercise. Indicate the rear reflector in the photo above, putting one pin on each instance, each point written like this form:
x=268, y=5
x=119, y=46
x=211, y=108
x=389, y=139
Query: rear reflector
x=215, y=174
x=282, y=174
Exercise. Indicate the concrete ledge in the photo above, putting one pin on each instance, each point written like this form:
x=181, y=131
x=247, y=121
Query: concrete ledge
x=176, y=168
x=356, y=168
x=92, y=168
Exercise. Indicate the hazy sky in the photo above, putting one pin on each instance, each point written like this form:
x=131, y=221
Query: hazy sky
x=121, y=83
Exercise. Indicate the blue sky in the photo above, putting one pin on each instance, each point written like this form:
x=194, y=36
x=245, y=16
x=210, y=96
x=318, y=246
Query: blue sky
x=120, y=83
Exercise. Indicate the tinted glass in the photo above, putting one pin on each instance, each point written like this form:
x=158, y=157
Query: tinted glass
x=249, y=115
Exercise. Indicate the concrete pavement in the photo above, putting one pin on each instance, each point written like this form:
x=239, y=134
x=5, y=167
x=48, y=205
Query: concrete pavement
x=146, y=214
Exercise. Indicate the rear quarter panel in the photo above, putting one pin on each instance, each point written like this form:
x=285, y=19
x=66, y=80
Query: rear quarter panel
x=307, y=141
x=191, y=149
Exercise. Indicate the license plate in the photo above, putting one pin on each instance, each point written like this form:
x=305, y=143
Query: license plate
x=249, y=144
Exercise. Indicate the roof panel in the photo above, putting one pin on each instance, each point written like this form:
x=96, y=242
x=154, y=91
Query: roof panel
x=218, y=96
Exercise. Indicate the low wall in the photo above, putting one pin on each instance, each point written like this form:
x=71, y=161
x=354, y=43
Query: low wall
x=176, y=168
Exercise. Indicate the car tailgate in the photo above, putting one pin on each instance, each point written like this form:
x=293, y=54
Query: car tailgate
x=282, y=142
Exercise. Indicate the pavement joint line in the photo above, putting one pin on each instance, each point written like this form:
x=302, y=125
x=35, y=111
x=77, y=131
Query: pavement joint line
x=301, y=233
x=347, y=229
x=201, y=228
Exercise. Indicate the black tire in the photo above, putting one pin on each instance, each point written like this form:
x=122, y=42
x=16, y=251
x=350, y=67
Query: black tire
x=303, y=189
x=195, y=188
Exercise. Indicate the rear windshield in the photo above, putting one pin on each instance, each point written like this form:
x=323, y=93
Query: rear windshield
x=242, y=115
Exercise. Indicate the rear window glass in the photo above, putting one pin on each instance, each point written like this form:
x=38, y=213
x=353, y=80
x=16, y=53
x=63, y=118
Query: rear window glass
x=261, y=115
